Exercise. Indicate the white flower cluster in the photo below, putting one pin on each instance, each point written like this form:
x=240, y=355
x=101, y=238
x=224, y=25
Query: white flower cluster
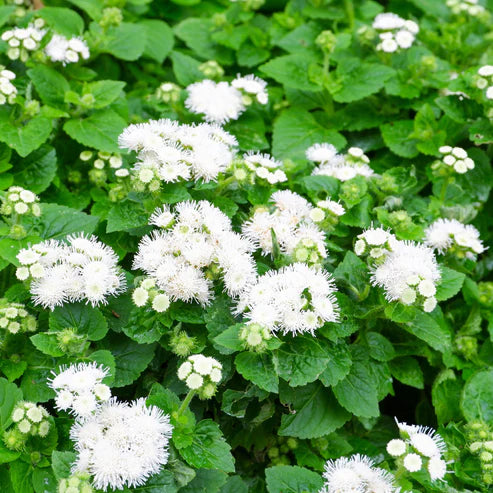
x=485, y=81
x=61, y=49
x=450, y=235
x=396, y=32
x=169, y=152
x=31, y=419
x=419, y=446
x=15, y=318
x=8, y=91
x=290, y=220
x=121, y=444
x=220, y=102
x=340, y=166
x=357, y=474
x=457, y=158
x=147, y=293
x=257, y=166
x=23, y=40
x=80, y=269
x=202, y=374
x=471, y=7
x=20, y=201
x=409, y=274
x=407, y=271
x=80, y=388
x=168, y=92
x=295, y=299
x=197, y=243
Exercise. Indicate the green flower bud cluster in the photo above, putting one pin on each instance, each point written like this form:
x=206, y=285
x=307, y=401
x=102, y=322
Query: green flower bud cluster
x=146, y=293
x=255, y=337
x=22, y=6
x=77, y=483
x=23, y=42
x=32, y=107
x=182, y=344
x=20, y=202
x=470, y=7
x=480, y=438
x=14, y=318
x=29, y=420
x=326, y=41
x=112, y=16
x=168, y=92
x=279, y=452
x=146, y=178
x=70, y=342
x=211, y=69
x=486, y=293
x=307, y=251
x=102, y=160
x=326, y=214
x=454, y=159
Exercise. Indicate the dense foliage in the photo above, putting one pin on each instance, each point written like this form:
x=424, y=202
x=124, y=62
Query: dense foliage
x=273, y=311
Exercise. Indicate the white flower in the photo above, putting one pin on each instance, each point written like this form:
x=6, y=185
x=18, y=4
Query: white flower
x=388, y=45
x=61, y=49
x=359, y=247
x=376, y=236
x=406, y=259
x=140, y=296
x=437, y=468
x=426, y=288
x=357, y=474
x=412, y=462
x=321, y=153
x=429, y=304
x=278, y=302
x=396, y=447
x=184, y=370
x=427, y=442
x=122, y=444
x=443, y=234
x=489, y=92
x=194, y=381
x=217, y=101
x=251, y=84
x=199, y=371
x=160, y=303
x=404, y=38
x=486, y=71
x=332, y=206
x=388, y=21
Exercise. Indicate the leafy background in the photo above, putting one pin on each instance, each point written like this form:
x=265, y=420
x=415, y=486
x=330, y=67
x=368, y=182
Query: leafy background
x=310, y=398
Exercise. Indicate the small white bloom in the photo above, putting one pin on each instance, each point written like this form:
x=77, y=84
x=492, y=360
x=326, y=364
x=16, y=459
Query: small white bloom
x=396, y=447
x=412, y=462
x=429, y=304
x=437, y=468
x=194, y=381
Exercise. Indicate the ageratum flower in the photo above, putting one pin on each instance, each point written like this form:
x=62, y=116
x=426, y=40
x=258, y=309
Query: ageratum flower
x=81, y=268
x=294, y=300
x=121, y=444
x=357, y=474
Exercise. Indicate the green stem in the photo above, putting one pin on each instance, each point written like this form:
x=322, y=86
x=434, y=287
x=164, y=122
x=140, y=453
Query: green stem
x=225, y=183
x=349, y=7
x=186, y=402
x=443, y=191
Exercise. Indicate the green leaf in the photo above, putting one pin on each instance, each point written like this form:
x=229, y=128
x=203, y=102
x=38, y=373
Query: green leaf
x=380, y=348
x=159, y=39
x=47, y=344
x=44, y=480
x=186, y=68
x=126, y=41
x=24, y=137
x=292, y=479
x=91, y=7
x=292, y=71
x=477, y=397
x=9, y=395
x=131, y=358
x=63, y=21
x=446, y=396
x=353, y=273
x=163, y=482
x=295, y=130
x=196, y=33
x=61, y=462
x=36, y=171
x=425, y=327
x=407, y=371
x=100, y=130
x=396, y=136
x=339, y=364
x=20, y=475
x=450, y=284
x=301, y=360
x=317, y=411
x=357, y=392
x=5, y=12
x=7, y=455
x=104, y=91
x=229, y=339
x=208, y=449
x=259, y=369
x=205, y=481
x=428, y=131
x=85, y=319
x=57, y=221
x=105, y=358
x=50, y=84
x=356, y=80
x=125, y=216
